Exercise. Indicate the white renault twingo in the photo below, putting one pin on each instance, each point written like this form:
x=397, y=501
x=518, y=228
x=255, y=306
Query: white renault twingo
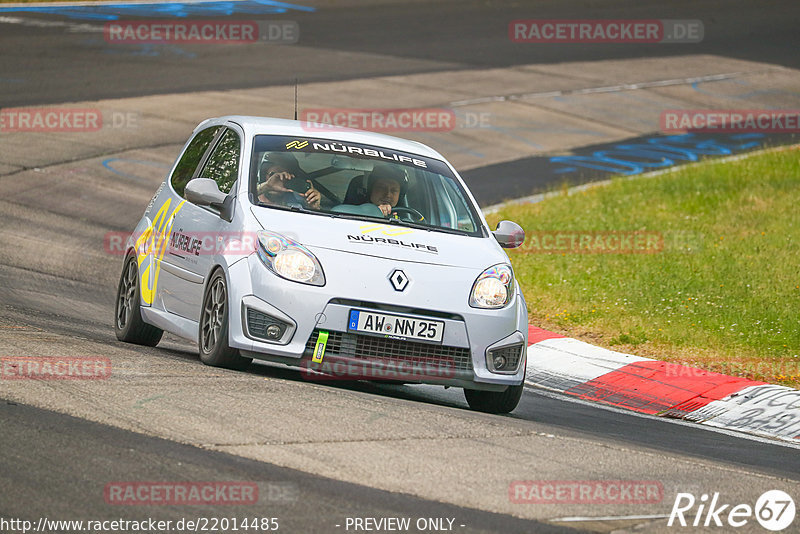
x=351, y=254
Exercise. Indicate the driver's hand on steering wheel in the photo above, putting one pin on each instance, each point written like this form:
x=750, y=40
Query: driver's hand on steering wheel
x=386, y=209
x=312, y=196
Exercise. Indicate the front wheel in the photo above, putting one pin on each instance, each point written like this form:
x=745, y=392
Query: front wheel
x=494, y=401
x=214, y=348
x=128, y=323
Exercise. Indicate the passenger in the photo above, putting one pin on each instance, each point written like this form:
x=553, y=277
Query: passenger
x=386, y=185
x=280, y=170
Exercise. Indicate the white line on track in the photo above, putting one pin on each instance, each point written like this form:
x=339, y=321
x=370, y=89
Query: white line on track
x=38, y=23
x=733, y=433
x=602, y=89
x=608, y=518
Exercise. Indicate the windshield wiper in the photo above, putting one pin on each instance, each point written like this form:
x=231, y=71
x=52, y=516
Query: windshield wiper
x=401, y=222
x=429, y=228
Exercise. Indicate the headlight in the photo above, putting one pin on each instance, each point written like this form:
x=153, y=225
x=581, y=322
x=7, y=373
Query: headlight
x=493, y=288
x=289, y=259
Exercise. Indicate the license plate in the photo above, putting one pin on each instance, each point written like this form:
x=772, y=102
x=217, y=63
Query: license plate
x=396, y=326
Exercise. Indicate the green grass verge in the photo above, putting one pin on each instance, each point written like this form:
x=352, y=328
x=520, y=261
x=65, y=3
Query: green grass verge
x=720, y=292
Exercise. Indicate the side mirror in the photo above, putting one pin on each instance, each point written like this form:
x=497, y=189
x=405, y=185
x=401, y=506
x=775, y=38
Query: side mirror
x=508, y=234
x=205, y=192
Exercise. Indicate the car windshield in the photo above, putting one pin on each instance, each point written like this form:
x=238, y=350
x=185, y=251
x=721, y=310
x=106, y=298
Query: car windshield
x=359, y=181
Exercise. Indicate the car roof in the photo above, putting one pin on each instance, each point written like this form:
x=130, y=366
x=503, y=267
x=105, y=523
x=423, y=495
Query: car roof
x=272, y=126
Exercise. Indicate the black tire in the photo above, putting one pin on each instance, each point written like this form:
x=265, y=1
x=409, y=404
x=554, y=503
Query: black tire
x=494, y=401
x=128, y=323
x=213, y=330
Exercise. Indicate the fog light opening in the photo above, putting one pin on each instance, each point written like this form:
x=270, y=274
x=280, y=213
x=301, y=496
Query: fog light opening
x=274, y=331
x=265, y=327
x=504, y=360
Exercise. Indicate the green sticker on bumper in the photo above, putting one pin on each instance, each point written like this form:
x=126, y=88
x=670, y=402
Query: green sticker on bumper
x=319, y=349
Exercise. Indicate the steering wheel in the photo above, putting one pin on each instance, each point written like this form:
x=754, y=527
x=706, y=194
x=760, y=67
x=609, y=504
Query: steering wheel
x=416, y=216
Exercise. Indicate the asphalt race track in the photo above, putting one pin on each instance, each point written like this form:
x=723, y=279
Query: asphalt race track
x=50, y=66
x=324, y=452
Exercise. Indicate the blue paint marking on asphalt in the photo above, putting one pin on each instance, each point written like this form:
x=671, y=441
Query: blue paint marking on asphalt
x=655, y=153
x=107, y=164
x=162, y=9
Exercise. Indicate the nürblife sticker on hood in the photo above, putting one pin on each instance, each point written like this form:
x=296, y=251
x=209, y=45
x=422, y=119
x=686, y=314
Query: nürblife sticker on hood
x=386, y=235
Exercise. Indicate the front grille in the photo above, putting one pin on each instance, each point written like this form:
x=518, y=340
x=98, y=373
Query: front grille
x=512, y=355
x=393, y=351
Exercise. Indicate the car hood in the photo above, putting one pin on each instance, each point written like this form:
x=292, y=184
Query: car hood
x=374, y=238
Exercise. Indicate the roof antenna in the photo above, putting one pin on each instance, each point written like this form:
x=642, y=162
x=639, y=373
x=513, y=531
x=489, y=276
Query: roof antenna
x=295, y=99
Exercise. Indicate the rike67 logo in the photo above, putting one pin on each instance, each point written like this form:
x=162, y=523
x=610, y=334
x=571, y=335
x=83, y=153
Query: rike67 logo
x=774, y=510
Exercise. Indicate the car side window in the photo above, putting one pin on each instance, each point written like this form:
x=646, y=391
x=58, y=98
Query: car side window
x=458, y=204
x=223, y=163
x=191, y=158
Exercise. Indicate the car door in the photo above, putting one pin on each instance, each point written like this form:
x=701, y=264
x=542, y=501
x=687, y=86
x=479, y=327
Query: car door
x=169, y=274
x=152, y=245
x=198, y=231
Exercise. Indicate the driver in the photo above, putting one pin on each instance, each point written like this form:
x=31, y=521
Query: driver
x=280, y=170
x=386, y=185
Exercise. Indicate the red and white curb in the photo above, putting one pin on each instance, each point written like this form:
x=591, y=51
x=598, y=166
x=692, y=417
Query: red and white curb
x=644, y=385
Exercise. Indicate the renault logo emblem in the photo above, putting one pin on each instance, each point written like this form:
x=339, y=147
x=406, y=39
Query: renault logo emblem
x=399, y=280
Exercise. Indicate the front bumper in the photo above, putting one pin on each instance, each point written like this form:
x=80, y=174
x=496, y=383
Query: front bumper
x=436, y=292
